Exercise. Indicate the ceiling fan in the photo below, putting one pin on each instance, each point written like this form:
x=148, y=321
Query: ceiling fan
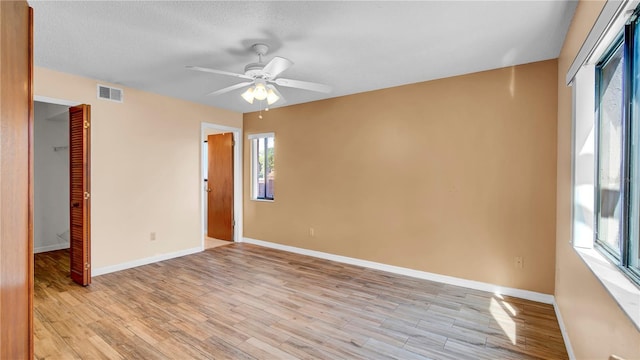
x=262, y=78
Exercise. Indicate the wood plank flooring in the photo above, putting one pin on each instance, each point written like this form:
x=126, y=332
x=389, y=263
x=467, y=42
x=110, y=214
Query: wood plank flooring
x=247, y=302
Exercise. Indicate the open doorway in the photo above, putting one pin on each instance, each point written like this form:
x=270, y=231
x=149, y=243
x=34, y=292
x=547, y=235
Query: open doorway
x=61, y=217
x=221, y=189
x=51, y=229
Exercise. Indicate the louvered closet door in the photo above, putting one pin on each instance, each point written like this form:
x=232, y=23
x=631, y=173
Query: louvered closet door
x=79, y=157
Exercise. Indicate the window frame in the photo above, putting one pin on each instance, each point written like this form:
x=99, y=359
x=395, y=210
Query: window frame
x=619, y=258
x=605, y=59
x=255, y=171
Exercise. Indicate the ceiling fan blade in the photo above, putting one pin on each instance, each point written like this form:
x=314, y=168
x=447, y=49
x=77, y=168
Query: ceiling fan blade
x=219, y=72
x=276, y=66
x=229, y=88
x=306, y=85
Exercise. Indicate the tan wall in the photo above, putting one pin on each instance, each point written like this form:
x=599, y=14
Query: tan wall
x=597, y=327
x=145, y=168
x=453, y=176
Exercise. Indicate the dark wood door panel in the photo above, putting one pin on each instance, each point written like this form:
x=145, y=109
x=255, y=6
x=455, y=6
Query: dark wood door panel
x=220, y=187
x=16, y=195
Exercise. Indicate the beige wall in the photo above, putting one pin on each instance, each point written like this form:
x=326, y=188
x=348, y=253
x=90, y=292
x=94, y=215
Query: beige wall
x=145, y=168
x=453, y=176
x=597, y=327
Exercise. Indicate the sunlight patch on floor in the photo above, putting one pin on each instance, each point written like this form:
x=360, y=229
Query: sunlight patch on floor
x=212, y=243
x=503, y=318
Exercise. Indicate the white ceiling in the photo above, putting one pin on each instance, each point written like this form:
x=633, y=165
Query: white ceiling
x=353, y=46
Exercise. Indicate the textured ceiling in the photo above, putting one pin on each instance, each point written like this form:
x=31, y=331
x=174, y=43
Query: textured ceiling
x=352, y=46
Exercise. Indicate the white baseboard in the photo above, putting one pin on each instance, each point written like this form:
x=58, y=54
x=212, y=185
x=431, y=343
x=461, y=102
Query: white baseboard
x=41, y=249
x=563, y=330
x=149, y=260
x=477, y=285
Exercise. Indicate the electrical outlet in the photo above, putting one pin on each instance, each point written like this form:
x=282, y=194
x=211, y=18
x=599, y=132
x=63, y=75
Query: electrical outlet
x=152, y=237
x=519, y=262
x=312, y=232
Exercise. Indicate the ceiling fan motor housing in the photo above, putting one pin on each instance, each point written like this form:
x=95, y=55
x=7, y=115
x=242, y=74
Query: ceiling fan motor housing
x=254, y=70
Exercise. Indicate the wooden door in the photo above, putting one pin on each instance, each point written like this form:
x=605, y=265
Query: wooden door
x=220, y=187
x=80, y=193
x=16, y=180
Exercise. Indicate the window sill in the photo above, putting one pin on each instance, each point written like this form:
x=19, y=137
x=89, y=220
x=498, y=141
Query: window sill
x=263, y=200
x=625, y=293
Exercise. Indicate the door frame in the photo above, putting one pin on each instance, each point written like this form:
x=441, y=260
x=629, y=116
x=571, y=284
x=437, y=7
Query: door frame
x=68, y=104
x=50, y=100
x=237, y=179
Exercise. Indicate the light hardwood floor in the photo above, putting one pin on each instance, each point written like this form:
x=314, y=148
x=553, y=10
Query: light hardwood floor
x=243, y=302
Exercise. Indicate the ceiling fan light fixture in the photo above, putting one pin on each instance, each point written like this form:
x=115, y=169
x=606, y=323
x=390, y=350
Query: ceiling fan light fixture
x=260, y=91
x=272, y=97
x=249, y=95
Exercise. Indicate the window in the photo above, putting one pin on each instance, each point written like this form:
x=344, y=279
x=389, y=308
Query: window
x=606, y=154
x=617, y=195
x=263, y=169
